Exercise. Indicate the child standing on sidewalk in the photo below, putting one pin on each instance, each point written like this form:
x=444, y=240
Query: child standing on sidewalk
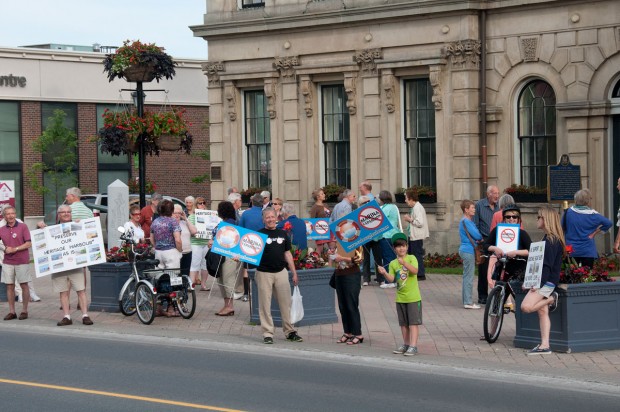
x=404, y=270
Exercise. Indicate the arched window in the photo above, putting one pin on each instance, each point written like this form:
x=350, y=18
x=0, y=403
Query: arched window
x=537, y=128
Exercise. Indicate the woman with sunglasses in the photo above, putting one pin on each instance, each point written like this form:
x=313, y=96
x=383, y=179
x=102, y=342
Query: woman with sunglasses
x=134, y=224
x=277, y=206
x=200, y=247
x=512, y=215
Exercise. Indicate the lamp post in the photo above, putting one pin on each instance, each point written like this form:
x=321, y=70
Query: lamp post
x=141, y=151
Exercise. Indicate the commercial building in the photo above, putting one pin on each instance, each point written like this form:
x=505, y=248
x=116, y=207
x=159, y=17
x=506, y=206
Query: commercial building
x=456, y=95
x=36, y=82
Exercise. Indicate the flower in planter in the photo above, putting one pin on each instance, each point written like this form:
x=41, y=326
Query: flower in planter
x=574, y=273
x=134, y=186
x=122, y=254
x=136, y=53
x=332, y=192
x=304, y=258
x=251, y=191
x=121, y=131
x=425, y=193
x=521, y=189
x=169, y=125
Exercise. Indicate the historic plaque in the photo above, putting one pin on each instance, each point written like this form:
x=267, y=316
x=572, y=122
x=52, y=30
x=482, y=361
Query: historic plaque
x=564, y=180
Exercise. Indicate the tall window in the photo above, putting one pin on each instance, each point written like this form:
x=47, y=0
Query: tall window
x=110, y=168
x=257, y=139
x=336, y=136
x=536, y=132
x=57, y=194
x=10, y=154
x=420, y=133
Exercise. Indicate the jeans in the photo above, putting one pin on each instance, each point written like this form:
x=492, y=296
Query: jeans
x=416, y=248
x=348, y=291
x=469, y=260
x=186, y=263
x=483, y=284
x=387, y=253
x=372, y=246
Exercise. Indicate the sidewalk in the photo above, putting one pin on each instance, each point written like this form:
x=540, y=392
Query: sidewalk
x=450, y=334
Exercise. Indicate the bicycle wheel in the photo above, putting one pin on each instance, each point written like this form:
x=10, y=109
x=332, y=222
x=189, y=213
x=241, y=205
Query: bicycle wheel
x=493, y=315
x=145, y=303
x=186, y=300
x=127, y=300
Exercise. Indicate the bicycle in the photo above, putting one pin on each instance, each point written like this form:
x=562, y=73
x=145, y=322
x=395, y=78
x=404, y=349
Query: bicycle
x=126, y=298
x=495, y=308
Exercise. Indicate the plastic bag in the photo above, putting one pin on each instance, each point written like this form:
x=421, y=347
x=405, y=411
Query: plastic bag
x=297, y=306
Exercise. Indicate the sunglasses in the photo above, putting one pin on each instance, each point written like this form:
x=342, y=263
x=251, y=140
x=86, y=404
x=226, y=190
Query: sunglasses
x=200, y=203
x=538, y=217
x=135, y=214
x=277, y=204
x=512, y=216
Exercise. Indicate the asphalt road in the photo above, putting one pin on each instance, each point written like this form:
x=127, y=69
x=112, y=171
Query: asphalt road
x=52, y=372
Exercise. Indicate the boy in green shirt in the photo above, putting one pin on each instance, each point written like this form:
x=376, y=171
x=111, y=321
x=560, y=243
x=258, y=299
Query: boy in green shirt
x=404, y=270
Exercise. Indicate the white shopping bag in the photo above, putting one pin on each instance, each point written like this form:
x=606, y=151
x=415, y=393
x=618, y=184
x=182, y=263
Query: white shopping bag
x=297, y=306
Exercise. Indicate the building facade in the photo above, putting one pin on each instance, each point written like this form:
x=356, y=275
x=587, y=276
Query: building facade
x=453, y=95
x=34, y=83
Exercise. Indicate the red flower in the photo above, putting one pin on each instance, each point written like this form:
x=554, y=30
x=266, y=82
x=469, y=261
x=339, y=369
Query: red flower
x=569, y=249
x=288, y=226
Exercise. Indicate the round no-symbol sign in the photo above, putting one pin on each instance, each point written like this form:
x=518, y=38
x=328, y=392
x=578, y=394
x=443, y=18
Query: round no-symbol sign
x=321, y=227
x=507, y=235
x=370, y=218
x=251, y=244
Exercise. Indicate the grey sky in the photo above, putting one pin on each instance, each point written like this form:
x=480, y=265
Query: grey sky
x=109, y=22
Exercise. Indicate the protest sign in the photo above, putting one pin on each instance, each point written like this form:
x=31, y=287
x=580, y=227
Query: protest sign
x=206, y=221
x=317, y=229
x=7, y=193
x=533, y=270
x=67, y=246
x=360, y=226
x=231, y=240
x=507, y=237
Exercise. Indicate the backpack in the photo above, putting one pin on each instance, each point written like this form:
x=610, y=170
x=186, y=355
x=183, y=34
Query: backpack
x=214, y=263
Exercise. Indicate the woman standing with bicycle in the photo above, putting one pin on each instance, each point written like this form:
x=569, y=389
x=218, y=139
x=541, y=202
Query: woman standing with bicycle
x=544, y=299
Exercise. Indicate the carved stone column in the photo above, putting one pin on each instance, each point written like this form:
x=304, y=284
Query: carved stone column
x=435, y=79
x=230, y=94
x=350, y=89
x=306, y=88
x=388, y=85
x=270, y=94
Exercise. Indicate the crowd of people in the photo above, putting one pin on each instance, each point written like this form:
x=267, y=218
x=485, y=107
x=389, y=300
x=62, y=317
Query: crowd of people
x=397, y=255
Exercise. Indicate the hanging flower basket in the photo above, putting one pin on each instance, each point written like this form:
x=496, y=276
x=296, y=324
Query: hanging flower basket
x=169, y=130
x=140, y=73
x=168, y=143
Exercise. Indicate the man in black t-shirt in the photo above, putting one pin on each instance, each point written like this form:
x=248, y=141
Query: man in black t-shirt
x=272, y=276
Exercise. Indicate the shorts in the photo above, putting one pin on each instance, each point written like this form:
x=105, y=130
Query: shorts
x=71, y=279
x=409, y=313
x=199, y=252
x=19, y=273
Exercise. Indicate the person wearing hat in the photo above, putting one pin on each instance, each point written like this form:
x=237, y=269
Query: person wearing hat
x=404, y=271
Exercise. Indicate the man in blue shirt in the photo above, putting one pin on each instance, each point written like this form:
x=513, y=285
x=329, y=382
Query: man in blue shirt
x=296, y=227
x=253, y=217
x=485, y=209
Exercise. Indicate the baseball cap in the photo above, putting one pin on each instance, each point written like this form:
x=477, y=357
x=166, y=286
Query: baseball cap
x=399, y=235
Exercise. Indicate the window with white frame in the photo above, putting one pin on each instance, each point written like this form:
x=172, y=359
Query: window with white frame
x=420, y=133
x=336, y=135
x=537, y=132
x=10, y=155
x=257, y=139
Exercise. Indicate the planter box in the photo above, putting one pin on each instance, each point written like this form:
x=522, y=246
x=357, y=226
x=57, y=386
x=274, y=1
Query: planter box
x=530, y=197
x=427, y=198
x=319, y=298
x=399, y=197
x=106, y=281
x=587, y=319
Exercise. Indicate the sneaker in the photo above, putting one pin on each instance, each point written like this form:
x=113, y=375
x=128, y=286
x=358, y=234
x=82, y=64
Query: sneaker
x=401, y=349
x=268, y=340
x=237, y=296
x=245, y=298
x=65, y=322
x=365, y=284
x=387, y=285
x=34, y=297
x=539, y=351
x=20, y=299
x=294, y=337
x=411, y=350
x=554, y=305
x=86, y=320
x=472, y=306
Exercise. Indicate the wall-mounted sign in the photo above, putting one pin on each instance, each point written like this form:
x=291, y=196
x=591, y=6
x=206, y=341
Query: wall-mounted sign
x=12, y=81
x=564, y=180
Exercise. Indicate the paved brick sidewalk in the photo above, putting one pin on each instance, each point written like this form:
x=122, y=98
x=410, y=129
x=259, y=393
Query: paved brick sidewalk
x=450, y=334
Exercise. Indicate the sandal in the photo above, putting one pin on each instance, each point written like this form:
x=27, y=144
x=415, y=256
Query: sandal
x=344, y=338
x=356, y=340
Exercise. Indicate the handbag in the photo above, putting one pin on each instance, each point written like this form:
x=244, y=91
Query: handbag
x=480, y=258
x=297, y=306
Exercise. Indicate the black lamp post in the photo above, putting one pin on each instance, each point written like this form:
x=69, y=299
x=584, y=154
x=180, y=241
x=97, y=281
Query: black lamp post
x=141, y=152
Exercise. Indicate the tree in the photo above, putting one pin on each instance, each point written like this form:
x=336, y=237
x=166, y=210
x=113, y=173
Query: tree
x=58, y=148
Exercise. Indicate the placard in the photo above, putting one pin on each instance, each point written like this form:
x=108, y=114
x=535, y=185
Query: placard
x=66, y=246
x=231, y=240
x=206, y=221
x=533, y=270
x=317, y=228
x=564, y=180
x=507, y=237
x=7, y=193
x=360, y=226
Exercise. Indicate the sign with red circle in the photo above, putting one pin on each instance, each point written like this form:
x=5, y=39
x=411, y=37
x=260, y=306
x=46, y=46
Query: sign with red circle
x=508, y=235
x=227, y=237
x=251, y=244
x=370, y=218
x=321, y=227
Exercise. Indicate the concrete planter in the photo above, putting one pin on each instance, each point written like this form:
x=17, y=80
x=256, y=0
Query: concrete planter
x=319, y=298
x=106, y=281
x=587, y=319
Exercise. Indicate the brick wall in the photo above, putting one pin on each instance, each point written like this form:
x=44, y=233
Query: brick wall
x=87, y=147
x=30, y=131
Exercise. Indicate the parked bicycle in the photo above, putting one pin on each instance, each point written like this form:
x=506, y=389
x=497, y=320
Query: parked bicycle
x=496, y=307
x=126, y=298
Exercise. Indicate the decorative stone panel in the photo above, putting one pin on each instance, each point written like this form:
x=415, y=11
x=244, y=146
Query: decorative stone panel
x=529, y=49
x=464, y=54
x=270, y=94
x=286, y=66
x=306, y=91
x=230, y=94
x=435, y=79
x=212, y=70
x=366, y=60
x=351, y=91
x=387, y=83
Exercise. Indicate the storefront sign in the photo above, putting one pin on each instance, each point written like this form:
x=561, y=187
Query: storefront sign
x=12, y=81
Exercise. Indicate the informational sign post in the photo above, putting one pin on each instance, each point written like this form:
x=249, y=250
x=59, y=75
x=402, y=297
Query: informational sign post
x=533, y=270
x=317, y=229
x=564, y=180
x=206, y=221
x=360, y=226
x=67, y=246
x=507, y=237
x=231, y=240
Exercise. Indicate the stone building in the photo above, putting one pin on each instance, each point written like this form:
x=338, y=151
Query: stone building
x=35, y=82
x=453, y=95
